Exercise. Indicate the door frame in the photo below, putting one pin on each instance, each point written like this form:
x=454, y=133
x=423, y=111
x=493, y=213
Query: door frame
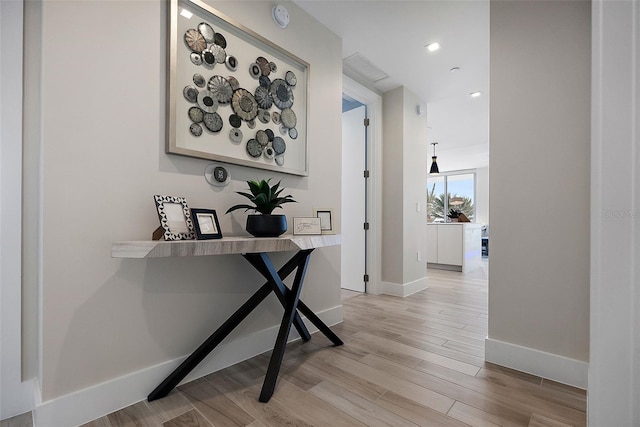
x=373, y=101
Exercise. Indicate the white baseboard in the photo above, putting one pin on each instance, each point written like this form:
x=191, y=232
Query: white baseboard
x=546, y=365
x=94, y=402
x=404, y=290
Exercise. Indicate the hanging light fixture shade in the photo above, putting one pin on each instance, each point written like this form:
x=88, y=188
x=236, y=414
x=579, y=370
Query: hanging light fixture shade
x=434, y=165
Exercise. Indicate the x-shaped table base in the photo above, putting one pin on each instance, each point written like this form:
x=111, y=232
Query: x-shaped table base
x=290, y=300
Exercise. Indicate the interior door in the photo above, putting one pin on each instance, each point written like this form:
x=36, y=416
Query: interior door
x=353, y=199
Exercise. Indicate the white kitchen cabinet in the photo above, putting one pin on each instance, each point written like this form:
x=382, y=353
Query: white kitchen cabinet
x=454, y=246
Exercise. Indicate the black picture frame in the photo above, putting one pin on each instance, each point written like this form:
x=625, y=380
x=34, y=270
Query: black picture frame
x=206, y=224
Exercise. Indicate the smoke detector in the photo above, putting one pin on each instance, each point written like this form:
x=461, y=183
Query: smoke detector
x=280, y=15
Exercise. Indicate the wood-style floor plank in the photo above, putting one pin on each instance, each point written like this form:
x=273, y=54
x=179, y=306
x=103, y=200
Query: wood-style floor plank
x=414, y=361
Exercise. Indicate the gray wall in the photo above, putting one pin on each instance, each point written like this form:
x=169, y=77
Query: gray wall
x=404, y=171
x=103, y=119
x=539, y=157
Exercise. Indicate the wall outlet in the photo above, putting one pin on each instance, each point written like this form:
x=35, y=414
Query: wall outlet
x=418, y=207
x=419, y=256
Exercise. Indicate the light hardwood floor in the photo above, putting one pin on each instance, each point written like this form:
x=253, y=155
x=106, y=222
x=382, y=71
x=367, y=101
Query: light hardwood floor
x=405, y=362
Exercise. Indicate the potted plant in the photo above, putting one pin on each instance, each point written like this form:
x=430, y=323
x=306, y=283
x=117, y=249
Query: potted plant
x=454, y=214
x=265, y=198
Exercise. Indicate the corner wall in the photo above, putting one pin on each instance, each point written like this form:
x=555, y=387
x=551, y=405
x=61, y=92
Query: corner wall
x=539, y=200
x=110, y=323
x=404, y=190
x=614, y=367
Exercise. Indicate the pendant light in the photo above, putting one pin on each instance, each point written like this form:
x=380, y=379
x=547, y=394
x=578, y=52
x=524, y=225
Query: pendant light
x=434, y=166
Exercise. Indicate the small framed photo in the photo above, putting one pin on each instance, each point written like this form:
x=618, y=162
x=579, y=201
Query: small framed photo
x=175, y=217
x=306, y=225
x=206, y=224
x=326, y=220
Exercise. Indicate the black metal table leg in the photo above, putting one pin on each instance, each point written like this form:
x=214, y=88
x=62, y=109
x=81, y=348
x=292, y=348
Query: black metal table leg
x=258, y=262
x=285, y=326
x=206, y=347
x=290, y=300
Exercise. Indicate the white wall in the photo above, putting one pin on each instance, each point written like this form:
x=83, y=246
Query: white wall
x=614, y=368
x=15, y=395
x=404, y=184
x=103, y=121
x=482, y=195
x=539, y=201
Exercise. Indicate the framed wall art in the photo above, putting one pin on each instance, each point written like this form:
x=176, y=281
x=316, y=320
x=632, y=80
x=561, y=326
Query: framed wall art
x=233, y=96
x=206, y=224
x=175, y=217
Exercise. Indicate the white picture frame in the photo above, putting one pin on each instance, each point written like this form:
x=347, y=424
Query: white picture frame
x=327, y=219
x=306, y=226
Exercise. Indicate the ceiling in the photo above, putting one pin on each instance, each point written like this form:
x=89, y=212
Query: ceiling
x=392, y=35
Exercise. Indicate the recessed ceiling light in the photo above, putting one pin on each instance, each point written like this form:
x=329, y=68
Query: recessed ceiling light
x=186, y=13
x=454, y=69
x=475, y=94
x=433, y=47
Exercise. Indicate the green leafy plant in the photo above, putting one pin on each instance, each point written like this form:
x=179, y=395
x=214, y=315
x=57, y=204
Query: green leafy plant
x=454, y=213
x=264, y=196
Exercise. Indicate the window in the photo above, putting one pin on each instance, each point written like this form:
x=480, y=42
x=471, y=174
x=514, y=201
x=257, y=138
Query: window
x=460, y=191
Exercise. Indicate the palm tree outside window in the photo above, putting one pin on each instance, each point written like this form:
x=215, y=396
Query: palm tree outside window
x=459, y=188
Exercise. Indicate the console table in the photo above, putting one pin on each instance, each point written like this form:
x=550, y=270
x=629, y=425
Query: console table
x=256, y=252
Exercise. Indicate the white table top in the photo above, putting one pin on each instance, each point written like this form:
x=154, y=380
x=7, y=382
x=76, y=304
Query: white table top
x=224, y=246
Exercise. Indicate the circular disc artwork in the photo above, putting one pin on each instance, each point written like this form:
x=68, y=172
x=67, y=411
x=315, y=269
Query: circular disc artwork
x=262, y=62
x=235, y=120
x=254, y=148
x=254, y=70
x=264, y=81
x=220, y=40
x=280, y=160
x=270, y=134
x=195, y=40
x=293, y=133
x=273, y=67
x=221, y=88
x=263, y=97
x=235, y=85
x=196, y=58
x=279, y=146
x=199, y=80
x=281, y=94
x=288, y=118
x=190, y=93
x=262, y=138
x=206, y=31
x=283, y=130
x=207, y=101
x=269, y=153
x=208, y=57
x=291, y=78
x=219, y=53
x=195, y=129
x=275, y=117
x=212, y=121
x=232, y=62
x=264, y=115
x=244, y=104
x=196, y=114
x=235, y=135
x=251, y=123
